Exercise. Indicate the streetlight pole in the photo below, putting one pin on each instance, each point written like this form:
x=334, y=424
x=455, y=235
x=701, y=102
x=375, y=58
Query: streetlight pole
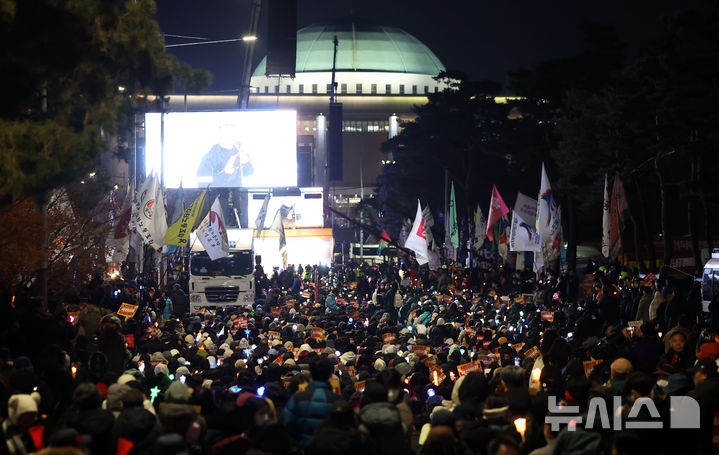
x=243, y=98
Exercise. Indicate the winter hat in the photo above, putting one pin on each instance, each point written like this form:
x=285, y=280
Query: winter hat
x=114, y=396
x=227, y=354
x=289, y=345
x=225, y=346
x=207, y=384
x=244, y=344
x=174, y=352
x=162, y=368
x=20, y=404
x=157, y=356
x=305, y=347
x=290, y=362
x=125, y=378
x=276, y=343
x=421, y=329
x=710, y=350
x=389, y=349
x=189, y=339
x=347, y=357
x=328, y=351
x=239, y=364
x=403, y=368
x=379, y=365
x=177, y=393
x=209, y=345
x=181, y=360
x=182, y=371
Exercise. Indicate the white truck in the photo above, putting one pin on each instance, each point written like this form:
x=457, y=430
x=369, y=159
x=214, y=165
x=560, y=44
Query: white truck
x=227, y=281
x=710, y=279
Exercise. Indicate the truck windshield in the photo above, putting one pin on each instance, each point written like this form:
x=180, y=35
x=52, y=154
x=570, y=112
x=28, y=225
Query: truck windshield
x=237, y=263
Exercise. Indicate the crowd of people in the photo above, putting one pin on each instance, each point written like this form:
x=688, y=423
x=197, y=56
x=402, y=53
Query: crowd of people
x=386, y=359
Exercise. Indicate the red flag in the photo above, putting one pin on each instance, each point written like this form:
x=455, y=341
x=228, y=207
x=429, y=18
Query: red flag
x=497, y=209
x=124, y=446
x=618, y=211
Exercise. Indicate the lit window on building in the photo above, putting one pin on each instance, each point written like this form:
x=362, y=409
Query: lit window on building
x=414, y=89
x=373, y=89
x=314, y=89
x=401, y=89
x=388, y=89
x=358, y=89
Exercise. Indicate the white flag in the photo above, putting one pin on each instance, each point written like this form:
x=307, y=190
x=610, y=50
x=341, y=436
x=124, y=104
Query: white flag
x=428, y=223
x=606, y=219
x=149, y=218
x=538, y=262
x=548, y=211
x=279, y=227
x=480, y=226
x=417, y=238
x=260, y=221
x=522, y=237
x=526, y=208
x=212, y=232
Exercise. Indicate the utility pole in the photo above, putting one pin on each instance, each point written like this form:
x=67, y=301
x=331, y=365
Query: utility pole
x=361, y=214
x=326, y=189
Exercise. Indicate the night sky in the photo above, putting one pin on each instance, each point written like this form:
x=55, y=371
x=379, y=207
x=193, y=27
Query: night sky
x=483, y=38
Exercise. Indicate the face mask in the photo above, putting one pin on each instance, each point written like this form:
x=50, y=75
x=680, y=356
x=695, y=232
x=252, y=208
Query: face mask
x=662, y=383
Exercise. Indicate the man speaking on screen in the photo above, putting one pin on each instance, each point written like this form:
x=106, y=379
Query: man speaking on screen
x=226, y=163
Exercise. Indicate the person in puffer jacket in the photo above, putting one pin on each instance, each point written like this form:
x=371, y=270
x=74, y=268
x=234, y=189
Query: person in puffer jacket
x=308, y=408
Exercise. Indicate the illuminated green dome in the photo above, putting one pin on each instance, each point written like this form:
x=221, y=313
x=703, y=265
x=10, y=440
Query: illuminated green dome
x=361, y=48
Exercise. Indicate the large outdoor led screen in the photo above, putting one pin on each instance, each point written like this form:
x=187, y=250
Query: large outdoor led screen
x=223, y=149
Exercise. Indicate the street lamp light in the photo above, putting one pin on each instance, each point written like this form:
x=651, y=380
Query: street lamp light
x=249, y=38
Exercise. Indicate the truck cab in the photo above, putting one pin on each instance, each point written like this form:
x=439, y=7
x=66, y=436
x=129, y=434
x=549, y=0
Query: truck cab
x=710, y=279
x=227, y=281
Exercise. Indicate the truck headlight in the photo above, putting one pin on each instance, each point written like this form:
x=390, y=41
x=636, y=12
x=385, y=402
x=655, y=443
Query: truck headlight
x=195, y=298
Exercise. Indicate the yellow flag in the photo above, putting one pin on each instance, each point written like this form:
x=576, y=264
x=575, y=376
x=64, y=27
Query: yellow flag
x=179, y=233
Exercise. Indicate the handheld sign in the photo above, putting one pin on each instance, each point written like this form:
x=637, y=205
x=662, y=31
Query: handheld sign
x=467, y=368
x=533, y=352
x=318, y=333
x=547, y=316
x=389, y=338
x=589, y=366
x=127, y=311
x=130, y=340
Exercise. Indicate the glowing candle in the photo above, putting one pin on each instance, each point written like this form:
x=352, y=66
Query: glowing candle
x=521, y=426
